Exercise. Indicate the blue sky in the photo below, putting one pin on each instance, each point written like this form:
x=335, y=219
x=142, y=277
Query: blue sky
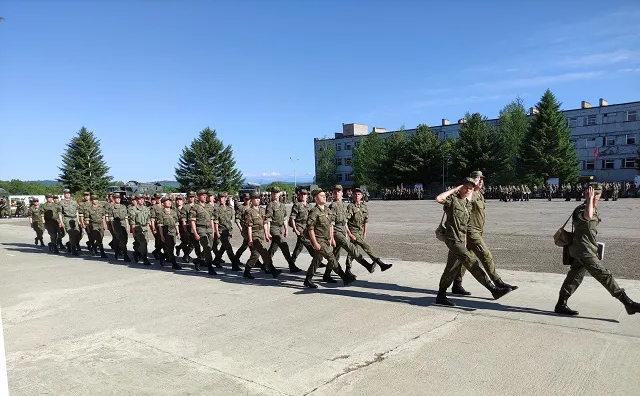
x=146, y=76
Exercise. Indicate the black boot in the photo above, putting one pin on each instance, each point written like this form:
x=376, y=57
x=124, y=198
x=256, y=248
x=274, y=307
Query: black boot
x=210, y=269
x=50, y=246
x=145, y=261
x=458, y=289
x=235, y=265
x=292, y=267
x=383, y=266
x=348, y=272
x=61, y=246
x=630, y=305
x=74, y=251
x=500, y=283
x=178, y=250
x=275, y=273
x=136, y=257
x=563, y=309
x=217, y=262
x=116, y=253
x=247, y=273
x=41, y=242
x=126, y=258
x=36, y=241
x=196, y=264
x=371, y=267
x=68, y=247
x=308, y=282
x=262, y=267
x=102, y=253
x=329, y=279
x=442, y=299
x=498, y=292
x=174, y=264
x=345, y=278
x=161, y=259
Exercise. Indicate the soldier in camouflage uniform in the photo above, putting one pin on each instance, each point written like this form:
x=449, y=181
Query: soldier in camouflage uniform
x=357, y=223
x=52, y=222
x=86, y=202
x=202, y=228
x=223, y=223
x=256, y=222
x=117, y=219
x=240, y=223
x=4, y=212
x=276, y=213
x=61, y=230
x=168, y=227
x=154, y=211
x=194, y=245
x=36, y=220
x=140, y=222
x=96, y=217
x=183, y=216
x=298, y=222
x=320, y=232
x=343, y=236
x=20, y=208
x=584, y=256
x=71, y=222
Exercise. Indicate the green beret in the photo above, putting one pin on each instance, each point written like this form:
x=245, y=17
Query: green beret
x=254, y=195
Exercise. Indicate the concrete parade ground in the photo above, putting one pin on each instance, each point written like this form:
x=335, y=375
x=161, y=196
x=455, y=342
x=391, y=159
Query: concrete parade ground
x=91, y=326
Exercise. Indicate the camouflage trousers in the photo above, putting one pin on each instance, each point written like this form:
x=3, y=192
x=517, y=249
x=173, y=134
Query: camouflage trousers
x=362, y=244
x=476, y=244
x=278, y=241
x=579, y=268
x=259, y=250
x=343, y=242
x=458, y=256
x=53, y=228
x=73, y=228
x=141, y=238
x=38, y=227
x=326, y=251
x=225, y=247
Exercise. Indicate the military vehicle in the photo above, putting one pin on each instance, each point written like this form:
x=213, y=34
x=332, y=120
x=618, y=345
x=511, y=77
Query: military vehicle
x=248, y=188
x=132, y=187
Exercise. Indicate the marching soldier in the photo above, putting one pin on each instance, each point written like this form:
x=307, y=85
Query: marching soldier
x=154, y=212
x=167, y=226
x=36, y=220
x=320, y=231
x=71, y=221
x=223, y=223
x=584, y=256
x=140, y=223
x=242, y=226
x=86, y=202
x=213, y=209
x=276, y=213
x=298, y=222
x=202, y=229
x=52, y=222
x=357, y=222
x=117, y=218
x=183, y=215
x=194, y=245
x=343, y=236
x=61, y=231
x=96, y=217
x=257, y=232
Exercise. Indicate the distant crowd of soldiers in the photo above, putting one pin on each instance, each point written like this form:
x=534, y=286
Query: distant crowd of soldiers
x=205, y=222
x=523, y=192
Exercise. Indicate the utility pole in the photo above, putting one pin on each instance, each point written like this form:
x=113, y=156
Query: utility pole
x=294, y=172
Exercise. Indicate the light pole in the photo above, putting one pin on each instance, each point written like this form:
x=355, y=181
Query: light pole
x=294, y=172
x=89, y=158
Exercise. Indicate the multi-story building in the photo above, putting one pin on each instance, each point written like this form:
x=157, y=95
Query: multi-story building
x=606, y=137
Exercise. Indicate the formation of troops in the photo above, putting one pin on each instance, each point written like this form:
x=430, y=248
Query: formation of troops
x=205, y=224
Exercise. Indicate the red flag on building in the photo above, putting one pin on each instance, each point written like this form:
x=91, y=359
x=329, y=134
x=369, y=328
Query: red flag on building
x=595, y=154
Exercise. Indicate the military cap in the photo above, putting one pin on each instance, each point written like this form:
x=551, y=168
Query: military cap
x=200, y=192
x=468, y=180
x=191, y=194
x=93, y=197
x=357, y=190
x=254, y=195
x=275, y=189
x=165, y=198
x=86, y=193
x=138, y=196
x=246, y=196
x=475, y=174
x=179, y=197
x=157, y=195
x=316, y=191
x=36, y=199
x=337, y=187
x=110, y=193
x=55, y=196
x=597, y=187
x=223, y=194
x=66, y=190
x=211, y=192
x=117, y=196
x=303, y=192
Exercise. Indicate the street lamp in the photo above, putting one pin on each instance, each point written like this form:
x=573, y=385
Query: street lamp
x=294, y=171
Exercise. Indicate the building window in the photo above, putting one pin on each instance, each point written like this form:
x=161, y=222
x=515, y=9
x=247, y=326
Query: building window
x=631, y=139
x=339, y=177
x=339, y=161
x=338, y=146
x=591, y=120
x=590, y=142
x=607, y=164
x=632, y=115
x=356, y=144
x=610, y=141
x=629, y=163
x=347, y=146
x=572, y=122
x=348, y=177
x=347, y=161
x=609, y=118
x=589, y=165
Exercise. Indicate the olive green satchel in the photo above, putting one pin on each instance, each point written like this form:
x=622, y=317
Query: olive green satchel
x=563, y=237
x=440, y=231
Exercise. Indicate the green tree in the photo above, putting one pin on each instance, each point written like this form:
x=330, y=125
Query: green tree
x=512, y=129
x=83, y=166
x=326, y=164
x=19, y=187
x=366, y=161
x=547, y=150
x=446, y=155
x=477, y=148
x=420, y=159
x=208, y=164
x=282, y=186
x=391, y=169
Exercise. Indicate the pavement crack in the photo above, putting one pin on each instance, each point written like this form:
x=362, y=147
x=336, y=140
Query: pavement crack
x=378, y=357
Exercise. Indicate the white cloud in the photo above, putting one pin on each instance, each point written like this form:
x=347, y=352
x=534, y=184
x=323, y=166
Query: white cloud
x=602, y=58
x=455, y=100
x=270, y=174
x=539, y=80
